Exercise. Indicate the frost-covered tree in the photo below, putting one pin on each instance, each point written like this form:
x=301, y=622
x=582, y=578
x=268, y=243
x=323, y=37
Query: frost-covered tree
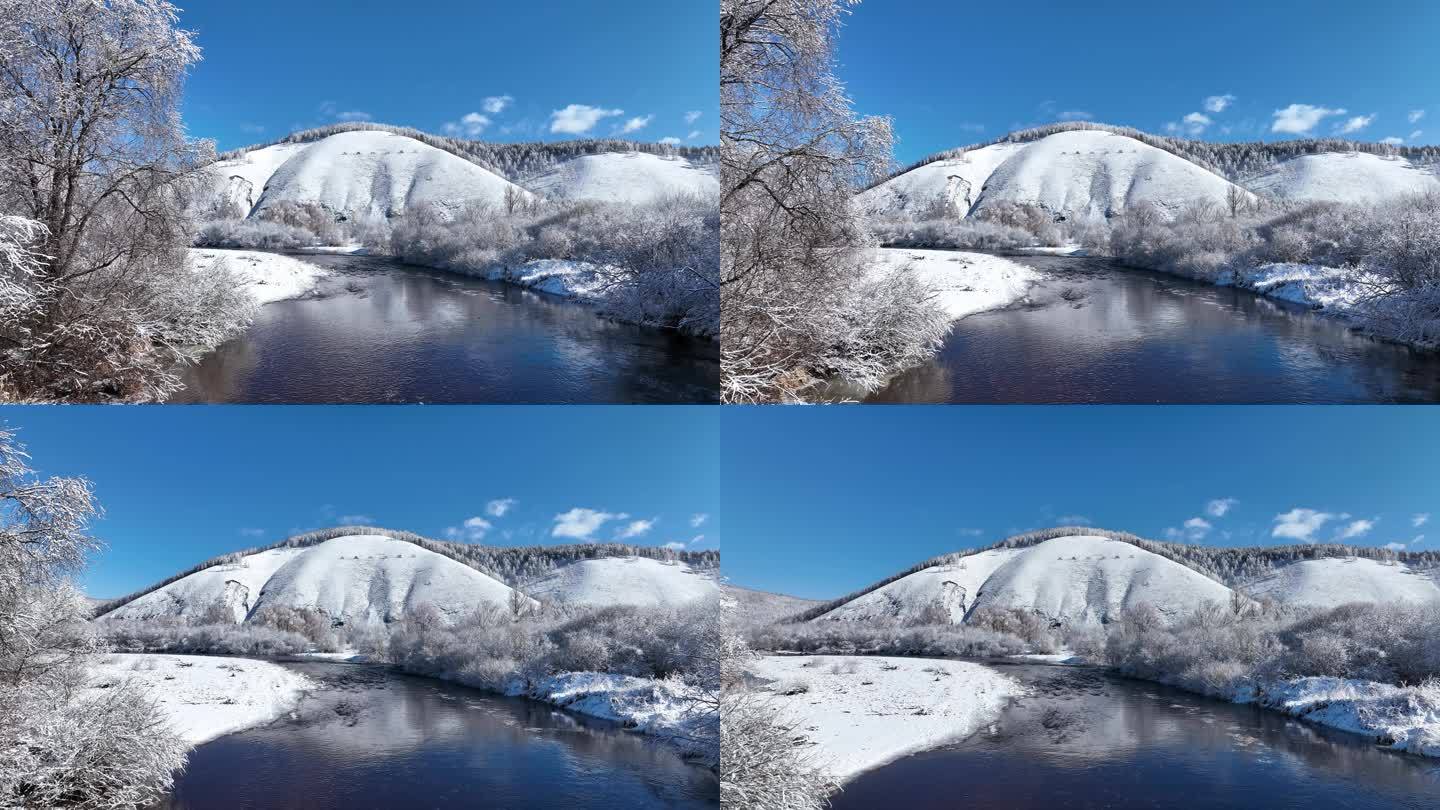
x=61, y=744
x=797, y=301
x=92, y=149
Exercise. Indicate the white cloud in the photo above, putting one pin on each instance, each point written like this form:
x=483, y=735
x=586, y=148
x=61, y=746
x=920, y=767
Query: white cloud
x=1419, y=538
x=697, y=540
x=698, y=519
x=1355, y=124
x=635, y=529
x=968, y=126
x=670, y=141
x=970, y=532
x=1420, y=519
x=252, y=532
x=1075, y=115
x=1220, y=507
x=694, y=115
x=1193, y=530
x=1415, y=115
x=472, y=530
x=1392, y=140
x=1298, y=119
x=674, y=545
x=1300, y=524
x=353, y=115
x=470, y=125
x=1195, y=123
x=1357, y=528
x=1415, y=136
x=1217, y=104
x=499, y=506
x=496, y=104
x=694, y=133
x=356, y=520
x=635, y=124
x=581, y=523
x=1395, y=546
x=1073, y=520
x=578, y=119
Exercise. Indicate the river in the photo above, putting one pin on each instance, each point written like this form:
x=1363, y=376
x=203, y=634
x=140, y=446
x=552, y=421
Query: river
x=377, y=331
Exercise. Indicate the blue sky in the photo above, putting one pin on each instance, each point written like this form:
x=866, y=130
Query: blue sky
x=180, y=484
x=957, y=73
x=821, y=501
x=271, y=67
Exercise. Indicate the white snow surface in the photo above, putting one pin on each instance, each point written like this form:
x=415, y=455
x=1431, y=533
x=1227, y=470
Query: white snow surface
x=862, y=712
x=950, y=187
x=204, y=697
x=376, y=174
x=566, y=278
x=1347, y=177
x=1092, y=175
x=1338, y=580
x=953, y=586
x=1404, y=718
x=366, y=579
x=627, y=177
x=242, y=180
x=1077, y=580
x=267, y=277
x=964, y=283
x=623, y=581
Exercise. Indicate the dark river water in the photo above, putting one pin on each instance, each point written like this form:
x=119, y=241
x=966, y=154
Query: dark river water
x=1088, y=740
x=375, y=739
x=1096, y=332
x=378, y=331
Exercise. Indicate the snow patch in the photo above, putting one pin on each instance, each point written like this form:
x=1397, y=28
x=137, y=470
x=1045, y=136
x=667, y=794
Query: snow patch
x=964, y=283
x=267, y=277
x=659, y=708
x=1404, y=718
x=862, y=712
x=205, y=697
x=1338, y=580
x=1344, y=177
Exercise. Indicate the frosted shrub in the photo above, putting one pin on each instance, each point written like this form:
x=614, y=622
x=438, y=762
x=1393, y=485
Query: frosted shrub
x=950, y=234
x=178, y=636
x=254, y=234
x=763, y=763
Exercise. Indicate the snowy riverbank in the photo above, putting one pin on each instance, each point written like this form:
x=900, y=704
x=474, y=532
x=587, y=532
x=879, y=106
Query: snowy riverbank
x=964, y=283
x=862, y=712
x=267, y=277
x=1404, y=718
x=206, y=697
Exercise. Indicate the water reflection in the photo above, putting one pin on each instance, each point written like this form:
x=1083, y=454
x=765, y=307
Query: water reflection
x=376, y=331
x=1098, y=333
x=1081, y=739
x=372, y=739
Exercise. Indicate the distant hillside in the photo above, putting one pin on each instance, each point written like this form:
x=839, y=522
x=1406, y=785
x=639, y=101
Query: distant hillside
x=514, y=161
x=514, y=566
x=1231, y=567
x=1234, y=161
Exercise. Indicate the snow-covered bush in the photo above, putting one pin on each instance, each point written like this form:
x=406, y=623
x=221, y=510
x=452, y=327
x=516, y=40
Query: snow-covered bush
x=655, y=262
x=950, y=234
x=60, y=745
x=878, y=637
x=254, y=234
x=174, y=635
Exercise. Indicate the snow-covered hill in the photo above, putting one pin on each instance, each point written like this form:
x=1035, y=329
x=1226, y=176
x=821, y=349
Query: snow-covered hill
x=360, y=578
x=1084, y=174
x=754, y=607
x=623, y=581
x=1073, y=579
x=1344, y=177
x=1338, y=580
x=630, y=177
x=380, y=174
